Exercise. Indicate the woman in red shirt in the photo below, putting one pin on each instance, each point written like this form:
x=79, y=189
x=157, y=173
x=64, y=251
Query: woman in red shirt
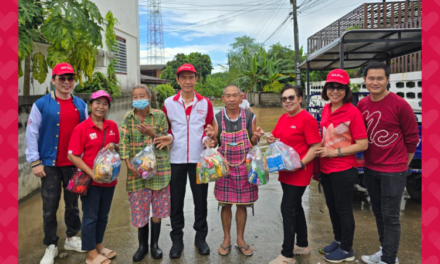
x=299, y=130
x=344, y=134
x=85, y=143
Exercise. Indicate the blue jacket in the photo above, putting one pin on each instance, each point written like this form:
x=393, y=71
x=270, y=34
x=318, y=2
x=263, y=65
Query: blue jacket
x=43, y=129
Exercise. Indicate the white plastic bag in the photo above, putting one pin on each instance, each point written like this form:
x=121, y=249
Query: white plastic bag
x=258, y=172
x=279, y=156
x=211, y=166
x=145, y=162
x=106, y=166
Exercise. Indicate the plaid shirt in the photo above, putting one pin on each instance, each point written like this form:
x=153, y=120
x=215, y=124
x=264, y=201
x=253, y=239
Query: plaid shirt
x=132, y=141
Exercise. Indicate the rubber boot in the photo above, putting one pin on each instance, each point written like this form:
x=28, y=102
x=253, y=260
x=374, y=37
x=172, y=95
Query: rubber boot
x=156, y=252
x=143, y=244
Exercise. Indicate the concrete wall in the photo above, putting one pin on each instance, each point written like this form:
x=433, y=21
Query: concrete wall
x=27, y=182
x=127, y=13
x=264, y=99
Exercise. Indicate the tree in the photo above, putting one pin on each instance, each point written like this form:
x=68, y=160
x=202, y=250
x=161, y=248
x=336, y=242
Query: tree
x=202, y=63
x=237, y=62
x=214, y=85
x=72, y=29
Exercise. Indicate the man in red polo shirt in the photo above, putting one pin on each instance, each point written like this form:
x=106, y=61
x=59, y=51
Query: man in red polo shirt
x=188, y=114
x=393, y=137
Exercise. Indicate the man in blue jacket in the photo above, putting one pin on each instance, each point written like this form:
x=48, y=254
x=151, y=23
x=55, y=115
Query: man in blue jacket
x=51, y=122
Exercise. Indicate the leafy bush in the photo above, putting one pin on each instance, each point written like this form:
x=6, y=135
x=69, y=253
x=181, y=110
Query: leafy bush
x=274, y=87
x=99, y=82
x=162, y=92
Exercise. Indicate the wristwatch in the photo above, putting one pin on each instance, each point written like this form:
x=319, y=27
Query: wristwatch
x=339, y=152
x=302, y=165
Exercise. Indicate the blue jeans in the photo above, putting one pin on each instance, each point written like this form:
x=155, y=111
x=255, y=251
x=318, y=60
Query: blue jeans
x=96, y=206
x=386, y=190
x=338, y=190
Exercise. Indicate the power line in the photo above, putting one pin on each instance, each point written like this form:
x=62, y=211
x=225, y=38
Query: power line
x=265, y=23
x=276, y=30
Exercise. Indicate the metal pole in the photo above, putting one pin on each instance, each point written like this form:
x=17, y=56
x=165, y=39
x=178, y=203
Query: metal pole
x=341, y=55
x=296, y=42
x=308, y=85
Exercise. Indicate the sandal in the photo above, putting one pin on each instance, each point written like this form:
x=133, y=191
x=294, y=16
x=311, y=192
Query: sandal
x=108, y=253
x=228, y=248
x=245, y=248
x=98, y=260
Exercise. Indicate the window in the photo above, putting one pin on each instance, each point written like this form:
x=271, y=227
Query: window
x=410, y=95
x=400, y=85
x=401, y=94
x=121, y=56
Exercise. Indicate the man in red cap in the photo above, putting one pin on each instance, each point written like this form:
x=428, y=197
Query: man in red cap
x=47, y=148
x=188, y=114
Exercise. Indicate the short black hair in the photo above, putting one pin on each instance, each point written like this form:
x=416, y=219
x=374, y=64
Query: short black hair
x=92, y=100
x=297, y=88
x=55, y=75
x=348, y=94
x=377, y=66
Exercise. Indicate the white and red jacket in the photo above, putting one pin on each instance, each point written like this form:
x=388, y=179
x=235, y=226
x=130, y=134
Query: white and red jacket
x=187, y=125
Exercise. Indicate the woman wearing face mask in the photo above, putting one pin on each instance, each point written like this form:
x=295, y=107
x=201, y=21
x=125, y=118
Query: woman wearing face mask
x=344, y=134
x=299, y=130
x=141, y=126
x=86, y=141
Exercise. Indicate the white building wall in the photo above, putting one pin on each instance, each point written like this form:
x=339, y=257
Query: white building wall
x=127, y=13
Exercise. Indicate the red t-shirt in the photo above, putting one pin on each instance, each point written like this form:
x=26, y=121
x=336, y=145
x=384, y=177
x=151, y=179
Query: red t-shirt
x=69, y=119
x=392, y=133
x=299, y=132
x=86, y=140
x=340, y=129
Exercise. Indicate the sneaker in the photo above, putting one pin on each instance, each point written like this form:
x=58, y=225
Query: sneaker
x=283, y=260
x=375, y=258
x=74, y=244
x=50, y=255
x=339, y=255
x=330, y=248
x=300, y=250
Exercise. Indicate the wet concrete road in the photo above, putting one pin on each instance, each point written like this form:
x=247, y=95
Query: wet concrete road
x=263, y=231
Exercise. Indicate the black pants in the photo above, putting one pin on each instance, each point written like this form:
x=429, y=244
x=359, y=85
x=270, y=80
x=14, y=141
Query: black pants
x=56, y=179
x=386, y=190
x=338, y=189
x=294, y=219
x=179, y=174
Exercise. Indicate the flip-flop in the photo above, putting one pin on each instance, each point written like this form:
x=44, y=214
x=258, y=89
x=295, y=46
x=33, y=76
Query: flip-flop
x=225, y=248
x=98, y=260
x=245, y=248
x=107, y=253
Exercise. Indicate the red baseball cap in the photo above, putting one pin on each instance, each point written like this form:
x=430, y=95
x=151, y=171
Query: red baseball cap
x=186, y=67
x=338, y=76
x=63, y=68
x=101, y=93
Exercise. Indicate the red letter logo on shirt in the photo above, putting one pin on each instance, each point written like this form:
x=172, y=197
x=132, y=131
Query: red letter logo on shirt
x=382, y=137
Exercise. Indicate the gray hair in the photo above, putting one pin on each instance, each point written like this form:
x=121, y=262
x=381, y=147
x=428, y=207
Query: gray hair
x=229, y=85
x=142, y=86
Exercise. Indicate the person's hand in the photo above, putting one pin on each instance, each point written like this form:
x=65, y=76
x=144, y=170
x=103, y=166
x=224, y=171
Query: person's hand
x=259, y=132
x=132, y=170
x=292, y=170
x=325, y=152
x=39, y=171
x=209, y=143
x=209, y=130
x=271, y=139
x=110, y=146
x=163, y=141
x=146, y=130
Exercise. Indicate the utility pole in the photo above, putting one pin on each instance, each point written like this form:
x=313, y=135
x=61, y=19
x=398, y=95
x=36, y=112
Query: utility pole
x=296, y=42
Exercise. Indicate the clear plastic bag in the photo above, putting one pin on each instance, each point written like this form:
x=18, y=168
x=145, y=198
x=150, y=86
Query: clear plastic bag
x=106, y=166
x=279, y=156
x=145, y=162
x=211, y=166
x=258, y=172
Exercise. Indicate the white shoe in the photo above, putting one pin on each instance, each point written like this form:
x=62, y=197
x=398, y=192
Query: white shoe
x=50, y=255
x=375, y=258
x=74, y=244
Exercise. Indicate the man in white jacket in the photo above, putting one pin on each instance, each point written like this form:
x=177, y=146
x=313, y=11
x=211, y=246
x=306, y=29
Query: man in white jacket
x=188, y=114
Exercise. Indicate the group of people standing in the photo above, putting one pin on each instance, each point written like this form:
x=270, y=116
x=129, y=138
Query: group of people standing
x=383, y=125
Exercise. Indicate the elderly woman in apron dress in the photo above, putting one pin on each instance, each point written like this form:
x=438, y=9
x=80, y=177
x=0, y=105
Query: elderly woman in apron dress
x=235, y=130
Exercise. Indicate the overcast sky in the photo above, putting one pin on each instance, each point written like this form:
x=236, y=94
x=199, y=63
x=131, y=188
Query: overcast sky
x=210, y=26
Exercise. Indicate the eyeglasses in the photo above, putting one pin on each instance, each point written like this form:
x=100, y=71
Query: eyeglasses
x=64, y=78
x=332, y=88
x=284, y=99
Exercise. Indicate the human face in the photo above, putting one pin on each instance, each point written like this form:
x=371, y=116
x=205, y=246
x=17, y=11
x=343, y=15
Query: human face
x=139, y=93
x=292, y=107
x=187, y=81
x=336, y=93
x=99, y=107
x=232, y=98
x=64, y=84
x=376, y=82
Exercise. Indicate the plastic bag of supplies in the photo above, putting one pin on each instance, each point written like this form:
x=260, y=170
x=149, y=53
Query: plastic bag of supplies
x=145, y=162
x=106, y=166
x=280, y=156
x=211, y=166
x=258, y=172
